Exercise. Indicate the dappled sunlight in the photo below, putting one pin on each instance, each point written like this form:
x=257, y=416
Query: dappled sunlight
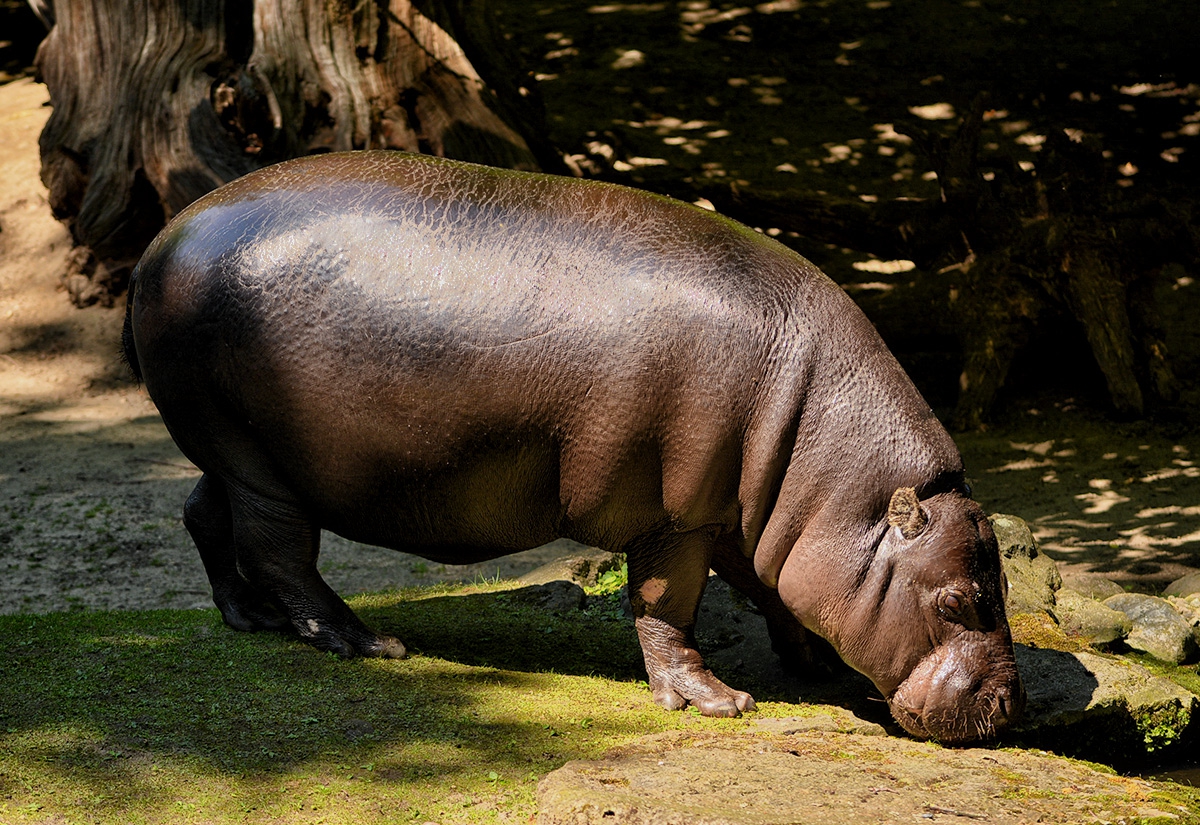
x=1143, y=538
x=934, y=111
x=171, y=716
x=1103, y=500
x=884, y=267
x=672, y=109
x=694, y=17
x=627, y=59
x=1107, y=503
x=875, y=266
x=834, y=122
x=633, y=8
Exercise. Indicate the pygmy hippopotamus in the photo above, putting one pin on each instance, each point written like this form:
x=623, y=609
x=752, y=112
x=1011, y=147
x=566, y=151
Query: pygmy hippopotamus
x=462, y=362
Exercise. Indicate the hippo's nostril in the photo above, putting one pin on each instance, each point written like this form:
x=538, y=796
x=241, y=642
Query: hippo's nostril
x=1004, y=704
x=1009, y=704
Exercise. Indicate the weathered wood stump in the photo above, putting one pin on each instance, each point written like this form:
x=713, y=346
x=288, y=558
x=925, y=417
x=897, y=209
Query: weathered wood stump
x=156, y=104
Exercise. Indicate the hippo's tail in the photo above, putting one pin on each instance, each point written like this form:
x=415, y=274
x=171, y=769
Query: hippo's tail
x=128, y=351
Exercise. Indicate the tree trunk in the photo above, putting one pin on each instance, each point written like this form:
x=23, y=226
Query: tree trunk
x=156, y=104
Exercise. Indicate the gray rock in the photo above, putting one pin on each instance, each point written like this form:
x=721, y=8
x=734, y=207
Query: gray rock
x=826, y=778
x=1157, y=628
x=555, y=596
x=1088, y=619
x=1184, y=586
x=579, y=563
x=1097, y=706
x=1014, y=536
x=1189, y=608
x=1032, y=576
x=1092, y=585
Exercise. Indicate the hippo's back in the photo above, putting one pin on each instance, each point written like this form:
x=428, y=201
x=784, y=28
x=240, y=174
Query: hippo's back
x=367, y=325
x=519, y=251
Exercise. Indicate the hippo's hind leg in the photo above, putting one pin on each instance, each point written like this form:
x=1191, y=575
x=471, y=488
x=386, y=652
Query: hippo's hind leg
x=667, y=574
x=275, y=547
x=800, y=652
x=208, y=519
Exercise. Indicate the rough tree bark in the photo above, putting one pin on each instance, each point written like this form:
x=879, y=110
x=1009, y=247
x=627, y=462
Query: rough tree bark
x=156, y=103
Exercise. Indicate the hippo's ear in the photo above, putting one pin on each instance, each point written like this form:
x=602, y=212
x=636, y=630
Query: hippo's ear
x=905, y=512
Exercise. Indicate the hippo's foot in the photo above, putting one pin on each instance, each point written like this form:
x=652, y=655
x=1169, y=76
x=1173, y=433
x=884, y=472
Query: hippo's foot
x=678, y=677
x=261, y=558
x=348, y=637
x=244, y=608
x=248, y=611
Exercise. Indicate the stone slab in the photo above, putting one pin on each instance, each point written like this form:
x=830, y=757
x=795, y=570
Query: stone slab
x=826, y=778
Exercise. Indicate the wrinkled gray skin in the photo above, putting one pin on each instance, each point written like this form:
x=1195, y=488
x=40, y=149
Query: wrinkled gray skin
x=462, y=362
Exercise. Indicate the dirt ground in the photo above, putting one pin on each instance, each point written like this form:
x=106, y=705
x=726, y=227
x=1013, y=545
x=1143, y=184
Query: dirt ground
x=91, y=486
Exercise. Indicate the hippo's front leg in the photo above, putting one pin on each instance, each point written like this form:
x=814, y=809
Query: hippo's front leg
x=667, y=574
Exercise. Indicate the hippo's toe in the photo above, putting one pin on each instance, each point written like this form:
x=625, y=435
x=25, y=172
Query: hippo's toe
x=389, y=647
x=667, y=698
x=725, y=706
x=700, y=689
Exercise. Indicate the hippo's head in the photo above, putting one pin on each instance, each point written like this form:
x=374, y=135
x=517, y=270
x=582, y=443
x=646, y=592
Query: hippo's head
x=926, y=621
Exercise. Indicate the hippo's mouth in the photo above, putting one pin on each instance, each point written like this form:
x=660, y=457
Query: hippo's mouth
x=957, y=696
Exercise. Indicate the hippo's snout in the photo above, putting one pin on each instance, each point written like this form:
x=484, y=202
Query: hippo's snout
x=960, y=694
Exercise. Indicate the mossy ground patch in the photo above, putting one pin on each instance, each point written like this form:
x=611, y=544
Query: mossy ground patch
x=168, y=716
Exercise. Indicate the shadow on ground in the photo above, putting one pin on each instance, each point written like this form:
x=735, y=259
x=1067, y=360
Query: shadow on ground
x=1121, y=499
x=130, y=700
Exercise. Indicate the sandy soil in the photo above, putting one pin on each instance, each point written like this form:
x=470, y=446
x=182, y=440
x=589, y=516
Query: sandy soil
x=91, y=486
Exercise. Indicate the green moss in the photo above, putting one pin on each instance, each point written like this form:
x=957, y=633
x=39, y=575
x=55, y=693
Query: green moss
x=1040, y=631
x=611, y=582
x=1010, y=777
x=1164, y=728
x=1168, y=727
x=1186, y=676
x=1027, y=793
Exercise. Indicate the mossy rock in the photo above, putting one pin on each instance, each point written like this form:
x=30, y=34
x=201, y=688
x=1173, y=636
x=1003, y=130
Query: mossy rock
x=579, y=563
x=1100, y=707
x=1087, y=619
x=1033, y=577
x=1040, y=630
x=825, y=778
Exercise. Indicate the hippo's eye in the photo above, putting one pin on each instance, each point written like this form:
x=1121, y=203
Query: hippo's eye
x=951, y=603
